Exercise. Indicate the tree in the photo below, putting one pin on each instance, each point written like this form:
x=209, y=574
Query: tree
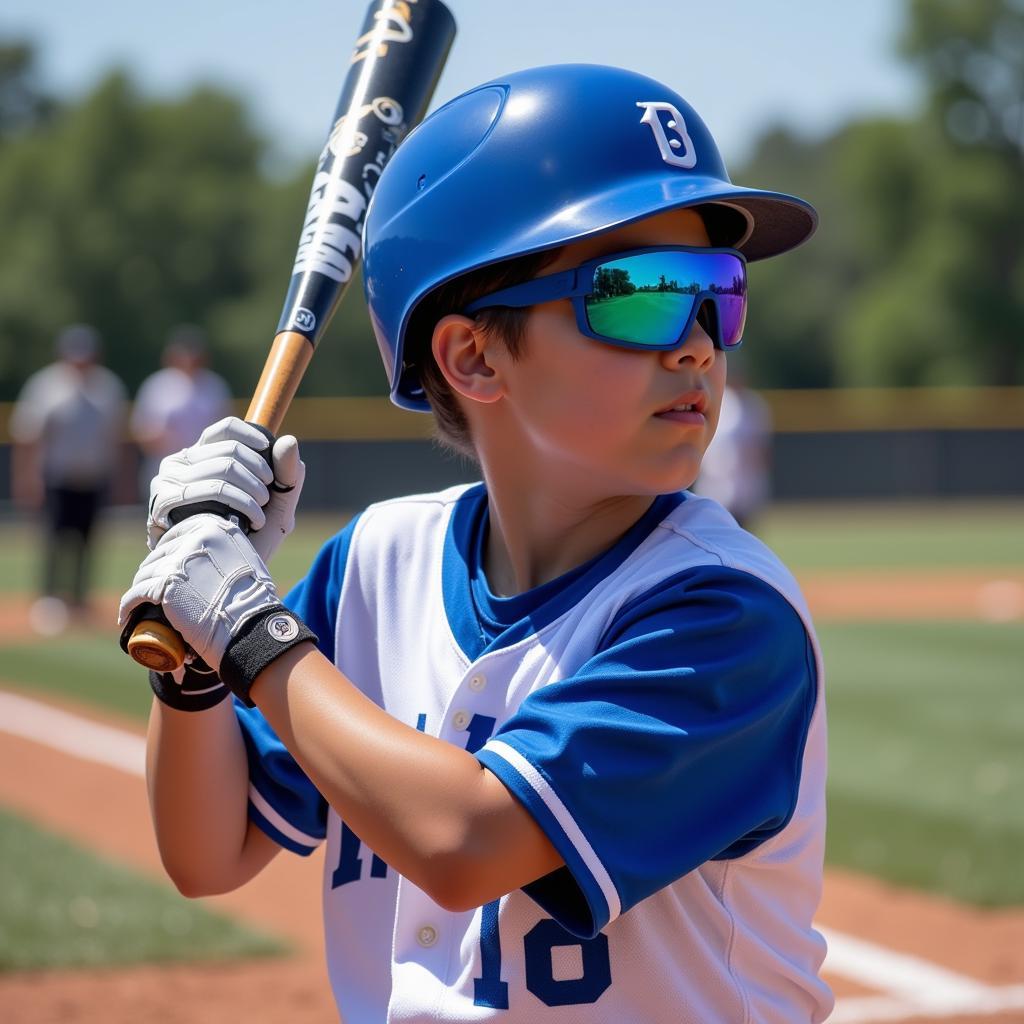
x=136, y=214
x=972, y=59
x=23, y=103
x=130, y=214
x=916, y=275
x=971, y=56
x=795, y=301
x=621, y=284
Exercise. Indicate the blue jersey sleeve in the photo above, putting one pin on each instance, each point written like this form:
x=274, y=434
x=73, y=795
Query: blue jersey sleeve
x=283, y=802
x=679, y=742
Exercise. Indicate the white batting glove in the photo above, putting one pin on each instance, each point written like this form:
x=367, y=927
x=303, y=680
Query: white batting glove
x=208, y=579
x=225, y=465
x=216, y=592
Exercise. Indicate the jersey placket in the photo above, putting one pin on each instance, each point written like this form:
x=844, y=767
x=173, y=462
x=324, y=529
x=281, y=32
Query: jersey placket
x=426, y=934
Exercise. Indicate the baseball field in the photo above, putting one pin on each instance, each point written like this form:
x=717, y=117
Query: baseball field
x=921, y=614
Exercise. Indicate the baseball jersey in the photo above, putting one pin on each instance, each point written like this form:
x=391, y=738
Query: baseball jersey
x=75, y=416
x=659, y=712
x=175, y=407
x=735, y=469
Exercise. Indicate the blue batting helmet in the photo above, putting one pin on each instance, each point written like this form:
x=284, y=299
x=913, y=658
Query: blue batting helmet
x=535, y=160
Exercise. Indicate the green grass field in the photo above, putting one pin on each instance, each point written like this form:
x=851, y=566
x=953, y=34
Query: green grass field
x=121, y=545
x=63, y=907
x=904, y=536
x=813, y=537
x=926, y=762
x=86, y=666
x=926, y=724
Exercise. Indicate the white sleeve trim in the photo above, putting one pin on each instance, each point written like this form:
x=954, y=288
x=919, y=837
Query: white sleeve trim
x=282, y=826
x=538, y=784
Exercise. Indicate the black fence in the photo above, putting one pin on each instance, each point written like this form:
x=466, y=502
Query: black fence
x=910, y=464
x=807, y=466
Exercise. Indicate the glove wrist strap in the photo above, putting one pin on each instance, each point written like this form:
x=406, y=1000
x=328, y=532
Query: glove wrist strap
x=197, y=691
x=261, y=639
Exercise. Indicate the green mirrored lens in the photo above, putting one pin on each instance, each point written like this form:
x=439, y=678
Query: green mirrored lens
x=647, y=299
x=643, y=318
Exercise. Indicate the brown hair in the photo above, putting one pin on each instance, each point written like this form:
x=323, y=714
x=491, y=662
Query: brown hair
x=507, y=324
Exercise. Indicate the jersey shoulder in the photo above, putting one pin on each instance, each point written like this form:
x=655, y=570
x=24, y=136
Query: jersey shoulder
x=404, y=524
x=714, y=537
x=700, y=533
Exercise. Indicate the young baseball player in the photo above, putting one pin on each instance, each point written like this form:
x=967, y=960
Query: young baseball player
x=562, y=730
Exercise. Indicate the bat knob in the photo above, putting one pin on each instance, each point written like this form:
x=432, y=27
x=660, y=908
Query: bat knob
x=156, y=646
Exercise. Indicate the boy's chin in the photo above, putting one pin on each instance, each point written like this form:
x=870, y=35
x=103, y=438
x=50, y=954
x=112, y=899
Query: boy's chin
x=685, y=476
x=671, y=483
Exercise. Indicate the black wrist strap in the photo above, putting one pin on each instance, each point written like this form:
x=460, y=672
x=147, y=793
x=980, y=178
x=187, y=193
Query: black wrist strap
x=197, y=691
x=259, y=641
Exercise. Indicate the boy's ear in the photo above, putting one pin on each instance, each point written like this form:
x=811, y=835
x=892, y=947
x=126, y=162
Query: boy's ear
x=464, y=354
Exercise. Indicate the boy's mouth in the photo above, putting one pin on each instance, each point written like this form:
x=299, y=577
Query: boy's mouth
x=688, y=407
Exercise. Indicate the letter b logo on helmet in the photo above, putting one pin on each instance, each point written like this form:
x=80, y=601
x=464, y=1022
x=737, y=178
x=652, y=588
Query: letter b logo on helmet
x=516, y=166
x=688, y=157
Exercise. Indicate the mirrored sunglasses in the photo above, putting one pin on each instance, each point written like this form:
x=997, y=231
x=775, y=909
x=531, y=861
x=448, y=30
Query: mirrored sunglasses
x=645, y=298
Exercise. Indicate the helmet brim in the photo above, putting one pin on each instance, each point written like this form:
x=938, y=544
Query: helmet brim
x=777, y=222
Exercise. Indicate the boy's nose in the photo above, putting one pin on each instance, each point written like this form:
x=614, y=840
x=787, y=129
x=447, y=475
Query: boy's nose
x=698, y=349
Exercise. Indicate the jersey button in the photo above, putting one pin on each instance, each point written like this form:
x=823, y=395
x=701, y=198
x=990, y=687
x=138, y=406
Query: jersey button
x=426, y=936
x=478, y=682
x=460, y=719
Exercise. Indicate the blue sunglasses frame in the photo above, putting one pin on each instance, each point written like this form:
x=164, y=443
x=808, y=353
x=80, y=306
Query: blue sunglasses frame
x=577, y=284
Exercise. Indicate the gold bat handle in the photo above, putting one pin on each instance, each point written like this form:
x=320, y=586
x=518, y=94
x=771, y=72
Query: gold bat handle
x=154, y=644
x=282, y=372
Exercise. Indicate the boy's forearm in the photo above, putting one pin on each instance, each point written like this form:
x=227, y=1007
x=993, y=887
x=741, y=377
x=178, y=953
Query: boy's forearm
x=427, y=807
x=197, y=777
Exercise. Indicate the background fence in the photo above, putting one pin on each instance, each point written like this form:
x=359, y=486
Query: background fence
x=848, y=444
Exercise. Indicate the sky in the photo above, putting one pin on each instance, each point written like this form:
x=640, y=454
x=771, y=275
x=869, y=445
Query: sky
x=745, y=65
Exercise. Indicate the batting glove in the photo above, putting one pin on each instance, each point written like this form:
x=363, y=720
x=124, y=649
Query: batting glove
x=229, y=465
x=216, y=592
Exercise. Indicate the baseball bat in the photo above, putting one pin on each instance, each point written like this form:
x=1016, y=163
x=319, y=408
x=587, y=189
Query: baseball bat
x=395, y=66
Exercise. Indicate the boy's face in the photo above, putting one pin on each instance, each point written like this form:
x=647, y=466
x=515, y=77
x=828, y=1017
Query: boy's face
x=608, y=411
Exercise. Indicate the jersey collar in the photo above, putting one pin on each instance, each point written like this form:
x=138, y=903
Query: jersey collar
x=481, y=621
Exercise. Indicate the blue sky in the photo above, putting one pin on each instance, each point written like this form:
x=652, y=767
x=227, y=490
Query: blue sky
x=744, y=64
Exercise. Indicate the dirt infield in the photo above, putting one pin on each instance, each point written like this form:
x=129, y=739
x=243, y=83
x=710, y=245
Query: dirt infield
x=990, y=595
x=896, y=954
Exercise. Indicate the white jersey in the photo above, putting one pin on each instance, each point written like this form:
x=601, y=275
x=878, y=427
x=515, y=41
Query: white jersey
x=735, y=470
x=659, y=711
x=75, y=415
x=173, y=408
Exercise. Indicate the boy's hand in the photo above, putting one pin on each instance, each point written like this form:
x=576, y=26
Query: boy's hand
x=216, y=592
x=209, y=580
x=227, y=464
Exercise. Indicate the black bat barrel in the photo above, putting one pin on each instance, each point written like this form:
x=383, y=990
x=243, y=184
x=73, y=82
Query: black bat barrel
x=395, y=66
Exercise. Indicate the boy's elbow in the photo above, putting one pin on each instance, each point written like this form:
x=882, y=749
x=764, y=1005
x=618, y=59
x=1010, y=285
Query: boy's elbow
x=191, y=888
x=458, y=879
x=195, y=884
x=466, y=863
x=449, y=887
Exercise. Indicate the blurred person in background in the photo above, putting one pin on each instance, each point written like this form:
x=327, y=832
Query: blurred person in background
x=736, y=470
x=67, y=431
x=175, y=404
